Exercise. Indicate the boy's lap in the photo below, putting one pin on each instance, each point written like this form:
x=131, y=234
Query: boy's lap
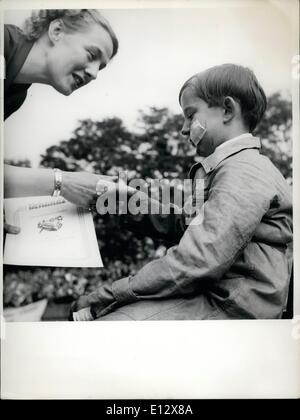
x=148, y=310
x=188, y=308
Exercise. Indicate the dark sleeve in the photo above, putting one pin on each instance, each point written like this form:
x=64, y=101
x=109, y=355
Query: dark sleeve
x=7, y=42
x=10, y=36
x=15, y=53
x=157, y=222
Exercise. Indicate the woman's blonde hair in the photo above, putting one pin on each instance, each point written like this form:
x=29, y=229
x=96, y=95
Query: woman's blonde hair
x=73, y=19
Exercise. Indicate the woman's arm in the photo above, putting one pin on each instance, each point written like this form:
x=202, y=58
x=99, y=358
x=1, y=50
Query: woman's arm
x=77, y=187
x=27, y=182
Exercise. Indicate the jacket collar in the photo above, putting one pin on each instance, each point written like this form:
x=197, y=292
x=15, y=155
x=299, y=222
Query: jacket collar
x=227, y=149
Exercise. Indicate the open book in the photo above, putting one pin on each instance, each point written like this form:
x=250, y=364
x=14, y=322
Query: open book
x=54, y=232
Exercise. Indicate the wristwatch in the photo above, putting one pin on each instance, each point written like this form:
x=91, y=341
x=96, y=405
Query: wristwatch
x=57, y=182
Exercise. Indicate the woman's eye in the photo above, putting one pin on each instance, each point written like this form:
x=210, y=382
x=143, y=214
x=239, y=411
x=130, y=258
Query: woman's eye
x=91, y=55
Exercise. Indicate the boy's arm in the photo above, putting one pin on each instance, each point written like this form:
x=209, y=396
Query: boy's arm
x=239, y=197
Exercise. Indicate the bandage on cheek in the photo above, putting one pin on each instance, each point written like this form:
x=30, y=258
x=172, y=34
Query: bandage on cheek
x=197, y=132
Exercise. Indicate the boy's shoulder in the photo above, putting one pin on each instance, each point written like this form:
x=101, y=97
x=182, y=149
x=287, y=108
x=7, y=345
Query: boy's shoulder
x=253, y=167
x=251, y=159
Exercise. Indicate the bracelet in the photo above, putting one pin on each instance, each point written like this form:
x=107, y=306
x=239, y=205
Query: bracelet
x=57, y=182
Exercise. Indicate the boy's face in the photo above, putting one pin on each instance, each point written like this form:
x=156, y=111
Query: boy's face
x=202, y=124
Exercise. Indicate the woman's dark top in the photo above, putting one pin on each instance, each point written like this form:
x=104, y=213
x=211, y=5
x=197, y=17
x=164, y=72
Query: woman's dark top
x=16, y=50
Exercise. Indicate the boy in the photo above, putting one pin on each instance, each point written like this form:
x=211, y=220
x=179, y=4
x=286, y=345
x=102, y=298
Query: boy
x=232, y=265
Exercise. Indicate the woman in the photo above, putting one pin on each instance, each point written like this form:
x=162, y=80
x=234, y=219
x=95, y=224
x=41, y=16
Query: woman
x=64, y=49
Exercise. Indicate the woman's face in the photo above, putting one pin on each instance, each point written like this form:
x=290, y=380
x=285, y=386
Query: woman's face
x=75, y=58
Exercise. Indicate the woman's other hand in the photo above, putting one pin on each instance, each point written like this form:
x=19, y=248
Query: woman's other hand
x=14, y=230
x=11, y=229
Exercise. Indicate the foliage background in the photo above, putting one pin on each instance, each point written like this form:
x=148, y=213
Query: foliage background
x=154, y=150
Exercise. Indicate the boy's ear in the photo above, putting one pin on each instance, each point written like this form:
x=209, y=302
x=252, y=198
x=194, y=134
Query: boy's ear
x=229, y=109
x=56, y=30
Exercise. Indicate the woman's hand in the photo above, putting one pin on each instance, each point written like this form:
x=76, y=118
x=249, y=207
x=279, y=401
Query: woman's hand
x=80, y=187
x=117, y=192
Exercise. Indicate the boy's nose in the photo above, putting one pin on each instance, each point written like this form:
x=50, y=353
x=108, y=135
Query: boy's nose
x=185, y=131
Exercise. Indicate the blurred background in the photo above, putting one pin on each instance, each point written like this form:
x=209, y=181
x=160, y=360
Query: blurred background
x=129, y=119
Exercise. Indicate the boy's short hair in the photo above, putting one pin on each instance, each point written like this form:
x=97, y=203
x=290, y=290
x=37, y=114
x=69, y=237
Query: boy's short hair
x=214, y=84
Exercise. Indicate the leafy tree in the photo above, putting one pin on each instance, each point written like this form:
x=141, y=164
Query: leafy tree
x=163, y=152
x=97, y=146
x=275, y=130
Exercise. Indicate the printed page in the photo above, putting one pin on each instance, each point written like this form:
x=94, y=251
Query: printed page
x=54, y=232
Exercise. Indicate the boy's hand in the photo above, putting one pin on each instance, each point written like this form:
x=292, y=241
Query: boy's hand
x=81, y=310
x=83, y=315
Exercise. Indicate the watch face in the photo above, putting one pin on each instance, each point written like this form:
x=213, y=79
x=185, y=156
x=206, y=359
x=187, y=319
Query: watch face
x=101, y=189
